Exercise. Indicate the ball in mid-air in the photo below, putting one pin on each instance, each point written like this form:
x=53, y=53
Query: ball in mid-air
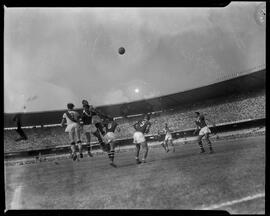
x=121, y=50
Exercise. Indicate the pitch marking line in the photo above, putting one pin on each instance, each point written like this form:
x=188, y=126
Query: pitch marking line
x=256, y=196
x=16, y=201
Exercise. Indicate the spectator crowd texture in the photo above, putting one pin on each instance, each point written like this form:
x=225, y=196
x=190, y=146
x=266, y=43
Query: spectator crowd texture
x=250, y=105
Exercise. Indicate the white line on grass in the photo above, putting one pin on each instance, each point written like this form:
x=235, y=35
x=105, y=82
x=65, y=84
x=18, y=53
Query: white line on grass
x=16, y=201
x=216, y=206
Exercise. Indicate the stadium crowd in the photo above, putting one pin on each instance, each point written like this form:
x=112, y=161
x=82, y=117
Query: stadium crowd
x=250, y=105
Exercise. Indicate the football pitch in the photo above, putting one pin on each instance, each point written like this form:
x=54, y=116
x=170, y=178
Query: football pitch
x=232, y=179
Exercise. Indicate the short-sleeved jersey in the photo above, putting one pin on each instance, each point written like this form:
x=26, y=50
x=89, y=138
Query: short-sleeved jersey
x=86, y=117
x=200, y=121
x=74, y=116
x=167, y=130
x=110, y=127
x=142, y=126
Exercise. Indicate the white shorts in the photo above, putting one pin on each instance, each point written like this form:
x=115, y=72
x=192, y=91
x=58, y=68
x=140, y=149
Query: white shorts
x=109, y=137
x=89, y=128
x=71, y=127
x=168, y=137
x=204, y=131
x=138, y=137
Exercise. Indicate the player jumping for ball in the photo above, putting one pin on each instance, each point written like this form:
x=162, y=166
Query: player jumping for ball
x=109, y=138
x=97, y=121
x=142, y=127
x=71, y=117
x=88, y=127
x=203, y=131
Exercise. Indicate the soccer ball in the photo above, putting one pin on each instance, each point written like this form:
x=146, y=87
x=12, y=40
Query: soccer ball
x=121, y=50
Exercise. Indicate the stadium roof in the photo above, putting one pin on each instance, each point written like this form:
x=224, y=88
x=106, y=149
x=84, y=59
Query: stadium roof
x=240, y=84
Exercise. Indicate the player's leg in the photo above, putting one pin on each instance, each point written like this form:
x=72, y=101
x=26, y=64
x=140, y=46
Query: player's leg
x=88, y=142
x=166, y=145
x=137, y=153
x=171, y=142
x=79, y=142
x=163, y=145
x=21, y=133
x=100, y=128
x=209, y=142
x=111, y=154
x=98, y=135
x=71, y=134
x=145, y=151
x=200, y=143
x=138, y=138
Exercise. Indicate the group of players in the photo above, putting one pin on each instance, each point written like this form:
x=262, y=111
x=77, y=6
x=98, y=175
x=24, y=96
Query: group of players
x=92, y=122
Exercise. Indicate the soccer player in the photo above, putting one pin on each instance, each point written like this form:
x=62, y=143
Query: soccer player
x=88, y=127
x=96, y=120
x=71, y=117
x=159, y=138
x=17, y=119
x=142, y=127
x=204, y=131
x=168, y=138
x=109, y=138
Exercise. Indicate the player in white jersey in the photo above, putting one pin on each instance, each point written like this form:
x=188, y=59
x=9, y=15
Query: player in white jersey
x=142, y=127
x=168, y=138
x=71, y=118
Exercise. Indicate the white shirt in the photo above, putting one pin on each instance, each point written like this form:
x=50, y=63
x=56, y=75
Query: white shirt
x=74, y=114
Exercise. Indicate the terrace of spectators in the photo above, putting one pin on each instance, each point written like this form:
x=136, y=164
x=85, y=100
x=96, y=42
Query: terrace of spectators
x=229, y=108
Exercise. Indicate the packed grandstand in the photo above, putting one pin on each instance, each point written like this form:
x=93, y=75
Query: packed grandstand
x=229, y=108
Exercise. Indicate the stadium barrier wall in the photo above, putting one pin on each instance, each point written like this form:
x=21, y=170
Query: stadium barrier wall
x=224, y=127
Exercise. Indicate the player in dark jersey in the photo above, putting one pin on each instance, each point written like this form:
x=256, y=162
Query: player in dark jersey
x=204, y=131
x=161, y=140
x=109, y=138
x=97, y=117
x=88, y=127
x=142, y=127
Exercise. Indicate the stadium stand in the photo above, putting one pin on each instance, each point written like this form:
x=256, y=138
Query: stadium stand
x=236, y=107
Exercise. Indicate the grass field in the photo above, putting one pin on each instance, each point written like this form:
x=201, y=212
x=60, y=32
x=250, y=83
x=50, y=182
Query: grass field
x=233, y=179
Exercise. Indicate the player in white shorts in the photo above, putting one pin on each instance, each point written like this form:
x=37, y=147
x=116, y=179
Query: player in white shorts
x=71, y=118
x=109, y=138
x=204, y=131
x=97, y=118
x=88, y=127
x=142, y=127
x=168, y=138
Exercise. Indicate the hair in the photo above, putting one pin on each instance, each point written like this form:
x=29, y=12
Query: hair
x=70, y=105
x=197, y=113
x=84, y=102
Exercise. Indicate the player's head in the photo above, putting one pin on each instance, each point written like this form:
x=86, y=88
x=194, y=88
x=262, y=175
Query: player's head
x=197, y=114
x=84, y=102
x=86, y=107
x=166, y=125
x=108, y=120
x=147, y=116
x=70, y=105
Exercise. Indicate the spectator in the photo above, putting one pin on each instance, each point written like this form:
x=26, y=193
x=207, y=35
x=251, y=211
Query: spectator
x=17, y=119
